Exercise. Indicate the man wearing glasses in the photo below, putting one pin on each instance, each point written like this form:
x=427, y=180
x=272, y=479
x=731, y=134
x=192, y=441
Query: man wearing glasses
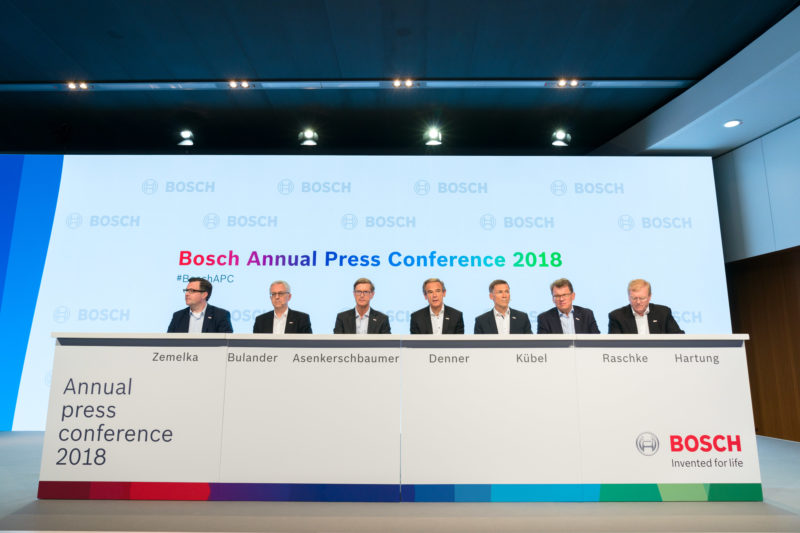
x=502, y=319
x=641, y=317
x=565, y=317
x=282, y=319
x=362, y=319
x=200, y=316
x=436, y=319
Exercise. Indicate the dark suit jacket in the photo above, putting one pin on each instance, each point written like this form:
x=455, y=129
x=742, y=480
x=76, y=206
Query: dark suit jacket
x=296, y=322
x=421, y=321
x=549, y=321
x=346, y=322
x=520, y=323
x=660, y=320
x=217, y=320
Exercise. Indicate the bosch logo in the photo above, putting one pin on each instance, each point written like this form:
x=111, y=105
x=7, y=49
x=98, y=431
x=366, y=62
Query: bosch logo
x=61, y=314
x=688, y=317
x=252, y=221
x=666, y=222
x=285, y=186
x=114, y=315
x=390, y=222
x=463, y=187
x=126, y=221
x=149, y=186
x=74, y=220
x=246, y=315
x=325, y=186
x=558, y=188
x=349, y=221
x=422, y=188
x=647, y=443
x=599, y=188
x=488, y=222
x=211, y=221
x=705, y=443
x=529, y=222
x=625, y=222
x=189, y=186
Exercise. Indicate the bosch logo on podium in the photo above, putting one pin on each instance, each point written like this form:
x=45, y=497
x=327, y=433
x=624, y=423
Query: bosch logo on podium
x=647, y=443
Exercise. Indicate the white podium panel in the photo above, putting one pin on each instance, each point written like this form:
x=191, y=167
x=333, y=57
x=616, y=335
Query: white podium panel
x=486, y=411
x=399, y=417
x=311, y=411
x=123, y=412
x=689, y=401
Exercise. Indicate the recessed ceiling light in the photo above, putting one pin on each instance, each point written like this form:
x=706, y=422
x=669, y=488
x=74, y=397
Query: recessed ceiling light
x=409, y=83
x=433, y=137
x=246, y=84
x=397, y=83
x=573, y=83
x=233, y=84
x=72, y=85
x=732, y=123
x=561, y=138
x=562, y=82
x=83, y=85
x=308, y=137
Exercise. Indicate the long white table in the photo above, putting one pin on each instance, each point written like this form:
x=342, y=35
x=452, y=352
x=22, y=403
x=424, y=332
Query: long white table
x=400, y=417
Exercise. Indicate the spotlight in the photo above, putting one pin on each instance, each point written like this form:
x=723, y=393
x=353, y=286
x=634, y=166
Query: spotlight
x=246, y=84
x=732, y=123
x=561, y=138
x=397, y=83
x=433, y=137
x=573, y=83
x=409, y=83
x=562, y=82
x=187, y=138
x=83, y=85
x=72, y=85
x=308, y=137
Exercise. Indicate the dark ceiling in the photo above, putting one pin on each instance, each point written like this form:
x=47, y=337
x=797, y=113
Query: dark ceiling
x=45, y=43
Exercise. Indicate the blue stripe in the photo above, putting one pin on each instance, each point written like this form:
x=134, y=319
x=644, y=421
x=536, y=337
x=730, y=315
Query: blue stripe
x=33, y=222
x=10, y=174
x=501, y=493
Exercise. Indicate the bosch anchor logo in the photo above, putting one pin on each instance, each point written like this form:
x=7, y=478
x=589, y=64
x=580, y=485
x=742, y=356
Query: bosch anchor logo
x=647, y=443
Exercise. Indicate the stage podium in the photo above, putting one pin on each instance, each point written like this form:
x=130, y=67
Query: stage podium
x=400, y=418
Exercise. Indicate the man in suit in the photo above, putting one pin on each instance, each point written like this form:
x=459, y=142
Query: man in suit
x=641, y=316
x=436, y=319
x=502, y=319
x=362, y=319
x=282, y=319
x=200, y=316
x=565, y=317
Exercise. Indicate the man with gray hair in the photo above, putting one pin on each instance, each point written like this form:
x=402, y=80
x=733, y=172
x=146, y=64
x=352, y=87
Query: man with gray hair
x=282, y=319
x=436, y=319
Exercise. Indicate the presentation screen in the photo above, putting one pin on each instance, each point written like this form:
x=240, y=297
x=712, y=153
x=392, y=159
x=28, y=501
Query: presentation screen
x=128, y=232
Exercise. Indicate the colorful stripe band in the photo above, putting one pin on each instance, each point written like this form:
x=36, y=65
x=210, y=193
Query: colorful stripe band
x=323, y=492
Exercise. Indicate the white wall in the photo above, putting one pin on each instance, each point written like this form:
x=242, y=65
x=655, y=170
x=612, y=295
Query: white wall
x=758, y=192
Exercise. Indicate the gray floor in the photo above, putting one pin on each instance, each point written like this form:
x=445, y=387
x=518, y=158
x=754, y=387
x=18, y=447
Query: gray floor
x=20, y=453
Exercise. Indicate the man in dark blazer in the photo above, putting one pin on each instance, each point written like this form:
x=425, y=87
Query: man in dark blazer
x=641, y=316
x=362, y=319
x=200, y=316
x=436, y=318
x=576, y=319
x=510, y=320
x=288, y=320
